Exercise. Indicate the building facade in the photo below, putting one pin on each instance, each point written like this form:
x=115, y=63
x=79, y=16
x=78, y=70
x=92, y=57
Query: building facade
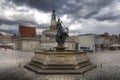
x=94, y=41
x=27, y=39
x=51, y=44
x=86, y=40
x=27, y=44
x=5, y=39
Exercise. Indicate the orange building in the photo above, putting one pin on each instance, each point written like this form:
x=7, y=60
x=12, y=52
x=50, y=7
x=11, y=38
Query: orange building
x=27, y=40
x=27, y=31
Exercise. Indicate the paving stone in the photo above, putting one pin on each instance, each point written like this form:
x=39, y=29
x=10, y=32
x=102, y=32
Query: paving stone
x=11, y=67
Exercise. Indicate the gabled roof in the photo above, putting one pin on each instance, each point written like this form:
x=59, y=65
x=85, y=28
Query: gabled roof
x=27, y=31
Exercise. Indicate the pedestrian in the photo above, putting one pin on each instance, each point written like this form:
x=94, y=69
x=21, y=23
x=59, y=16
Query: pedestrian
x=5, y=48
x=19, y=64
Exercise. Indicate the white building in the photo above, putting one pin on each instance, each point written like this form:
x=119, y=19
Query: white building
x=27, y=39
x=27, y=44
x=94, y=41
x=5, y=39
x=51, y=44
x=86, y=40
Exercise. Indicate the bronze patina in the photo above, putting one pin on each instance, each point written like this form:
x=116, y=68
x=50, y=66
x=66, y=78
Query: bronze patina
x=62, y=33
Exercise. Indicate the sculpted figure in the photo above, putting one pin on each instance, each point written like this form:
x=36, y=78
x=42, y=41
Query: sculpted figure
x=62, y=33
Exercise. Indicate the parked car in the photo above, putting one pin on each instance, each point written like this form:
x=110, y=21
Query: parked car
x=86, y=49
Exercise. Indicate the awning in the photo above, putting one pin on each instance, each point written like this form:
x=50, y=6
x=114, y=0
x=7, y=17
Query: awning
x=115, y=45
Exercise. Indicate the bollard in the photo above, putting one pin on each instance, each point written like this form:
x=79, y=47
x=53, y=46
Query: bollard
x=101, y=65
x=36, y=73
x=19, y=65
x=83, y=74
x=77, y=78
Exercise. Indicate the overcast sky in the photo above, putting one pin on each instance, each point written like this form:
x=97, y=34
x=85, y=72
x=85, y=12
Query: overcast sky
x=80, y=16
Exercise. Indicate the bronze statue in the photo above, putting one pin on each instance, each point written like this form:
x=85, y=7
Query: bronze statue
x=62, y=33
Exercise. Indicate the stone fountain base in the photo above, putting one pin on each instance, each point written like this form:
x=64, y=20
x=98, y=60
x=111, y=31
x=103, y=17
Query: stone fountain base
x=60, y=61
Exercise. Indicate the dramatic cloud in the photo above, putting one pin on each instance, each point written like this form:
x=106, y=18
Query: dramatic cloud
x=80, y=16
x=100, y=27
x=111, y=12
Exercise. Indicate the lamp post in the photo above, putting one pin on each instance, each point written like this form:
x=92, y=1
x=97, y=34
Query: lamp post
x=76, y=46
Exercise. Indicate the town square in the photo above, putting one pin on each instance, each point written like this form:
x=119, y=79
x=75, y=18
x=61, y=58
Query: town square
x=59, y=40
x=12, y=66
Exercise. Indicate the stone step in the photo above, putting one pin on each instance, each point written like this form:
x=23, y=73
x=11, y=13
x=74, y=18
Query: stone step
x=87, y=68
x=52, y=66
x=46, y=71
x=59, y=66
x=83, y=64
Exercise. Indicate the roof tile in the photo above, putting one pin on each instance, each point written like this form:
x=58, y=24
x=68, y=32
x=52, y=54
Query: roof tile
x=27, y=31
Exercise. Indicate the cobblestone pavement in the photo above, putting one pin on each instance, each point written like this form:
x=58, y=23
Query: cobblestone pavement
x=11, y=67
x=12, y=58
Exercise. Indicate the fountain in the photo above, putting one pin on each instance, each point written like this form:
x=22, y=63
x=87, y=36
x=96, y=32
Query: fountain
x=60, y=61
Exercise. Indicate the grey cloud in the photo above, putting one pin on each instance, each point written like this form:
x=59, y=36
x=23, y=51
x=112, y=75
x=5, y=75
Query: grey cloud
x=10, y=31
x=13, y=28
x=9, y=22
x=111, y=17
x=111, y=30
x=75, y=9
x=44, y=5
x=42, y=26
x=98, y=3
x=100, y=27
x=71, y=8
x=90, y=7
x=108, y=13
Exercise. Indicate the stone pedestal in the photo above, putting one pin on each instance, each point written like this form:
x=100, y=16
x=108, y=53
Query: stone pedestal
x=60, y=61
x=60, y=48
